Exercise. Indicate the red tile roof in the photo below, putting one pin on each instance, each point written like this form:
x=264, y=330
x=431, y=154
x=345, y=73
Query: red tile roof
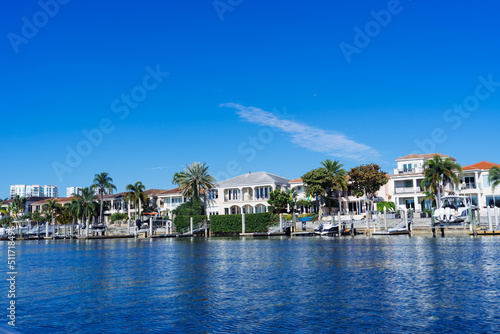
x=483, y=165
x=296, y=180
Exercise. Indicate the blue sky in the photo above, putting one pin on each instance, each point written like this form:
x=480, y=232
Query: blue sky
x=243, y=86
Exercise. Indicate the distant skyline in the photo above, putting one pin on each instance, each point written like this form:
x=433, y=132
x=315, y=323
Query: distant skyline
x=138, y=89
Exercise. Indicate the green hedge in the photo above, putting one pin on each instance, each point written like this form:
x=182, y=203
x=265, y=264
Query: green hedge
x=254, y=222
x=183, y=222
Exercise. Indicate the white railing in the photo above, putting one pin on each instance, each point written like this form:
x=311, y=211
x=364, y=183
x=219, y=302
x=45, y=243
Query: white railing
x=404, y=190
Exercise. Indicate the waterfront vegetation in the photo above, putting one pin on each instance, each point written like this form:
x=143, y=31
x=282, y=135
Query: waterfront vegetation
x=103, y=183
x=438, y=173
x=326, y=184
x=254, y=222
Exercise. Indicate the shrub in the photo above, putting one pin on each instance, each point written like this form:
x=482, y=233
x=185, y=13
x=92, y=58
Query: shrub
x=183, y=222
x=389, y=205
x=117, y=216
x=191, y=208
x=254, y=222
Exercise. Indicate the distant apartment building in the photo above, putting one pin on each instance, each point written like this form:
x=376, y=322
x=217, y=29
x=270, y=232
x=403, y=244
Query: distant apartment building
x=24, y=190
x=70, y=191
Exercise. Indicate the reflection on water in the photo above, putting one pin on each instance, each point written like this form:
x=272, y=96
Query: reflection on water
x=309, y=285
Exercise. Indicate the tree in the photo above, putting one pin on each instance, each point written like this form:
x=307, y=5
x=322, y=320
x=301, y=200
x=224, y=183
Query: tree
x=494, y=180
x=336, y=181
x=88, y=202
x=102, y=183
x=278, y=201
x=193, y=179
x=136, y=195
x=52, y=208
x=439, y=173
x=18, y=204
x=367, y=180
x=316, y=182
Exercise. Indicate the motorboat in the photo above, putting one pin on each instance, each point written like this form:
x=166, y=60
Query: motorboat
x=326, y=229
x=453, y=210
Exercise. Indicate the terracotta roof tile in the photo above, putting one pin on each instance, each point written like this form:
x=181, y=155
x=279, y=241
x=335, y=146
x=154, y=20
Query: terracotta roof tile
x=483, y=165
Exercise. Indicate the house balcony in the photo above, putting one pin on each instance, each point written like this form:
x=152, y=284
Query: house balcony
x=246, y=199
x=405, y=190
x=467, y=186
x=414, y=170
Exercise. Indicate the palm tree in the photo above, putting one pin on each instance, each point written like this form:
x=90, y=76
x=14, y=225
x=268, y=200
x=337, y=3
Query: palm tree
x=77, y=212
x=337, y=181
x=18, y=204
x=87, y=200
x=494, y=180
x=136, y=195
x=193, y=179
x=52, y=208
x=439, y=173
x=103, y=182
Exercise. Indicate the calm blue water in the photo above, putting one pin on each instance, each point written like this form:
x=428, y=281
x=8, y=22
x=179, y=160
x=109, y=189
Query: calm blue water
x=234, y=285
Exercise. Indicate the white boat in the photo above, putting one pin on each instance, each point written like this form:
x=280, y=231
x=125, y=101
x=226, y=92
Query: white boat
x=326, y=229
x=453, y=210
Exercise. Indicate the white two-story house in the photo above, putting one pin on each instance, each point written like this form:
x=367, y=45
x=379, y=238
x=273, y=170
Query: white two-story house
x=247, y=193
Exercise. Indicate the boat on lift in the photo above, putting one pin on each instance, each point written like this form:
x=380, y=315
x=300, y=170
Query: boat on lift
x=454, y=210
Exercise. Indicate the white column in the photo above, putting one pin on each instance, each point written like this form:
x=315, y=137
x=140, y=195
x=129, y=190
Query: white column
x=151, y=227
x=415, y=202
x=385, y=217
x=496, y=217
x=243, y=227
x=281, y=222
x=406, y=217
x=191, y=224
x=490, y=225
x=46, y=229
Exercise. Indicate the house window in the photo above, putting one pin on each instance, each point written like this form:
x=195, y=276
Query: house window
x=226, y=211
x=408, y=184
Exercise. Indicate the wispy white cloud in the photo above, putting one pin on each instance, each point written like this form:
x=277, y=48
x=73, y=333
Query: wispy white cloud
x=315, y=139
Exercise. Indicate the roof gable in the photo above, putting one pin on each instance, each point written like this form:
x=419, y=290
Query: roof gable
x=252, y=179
x=424, y=156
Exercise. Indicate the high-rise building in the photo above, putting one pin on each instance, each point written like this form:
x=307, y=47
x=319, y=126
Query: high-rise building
x=34, y=190
x=73, y=191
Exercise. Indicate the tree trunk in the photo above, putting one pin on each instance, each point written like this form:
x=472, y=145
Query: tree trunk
x=438, y=188
x=139, y=208
x=102, y=205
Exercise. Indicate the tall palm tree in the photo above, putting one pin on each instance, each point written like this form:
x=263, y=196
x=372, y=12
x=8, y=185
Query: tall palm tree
x=103, y=182
x=77, y=212
x=88, y=203
x=438, y=173
x=52, y=208
x=136, y=195
x=193, y=179
x=337, y=180
x=494, y=180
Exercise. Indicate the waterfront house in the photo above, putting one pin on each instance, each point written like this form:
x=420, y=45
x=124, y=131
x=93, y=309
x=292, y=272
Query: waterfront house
x=247, y=193
x=474, y=183
x=404, y=186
